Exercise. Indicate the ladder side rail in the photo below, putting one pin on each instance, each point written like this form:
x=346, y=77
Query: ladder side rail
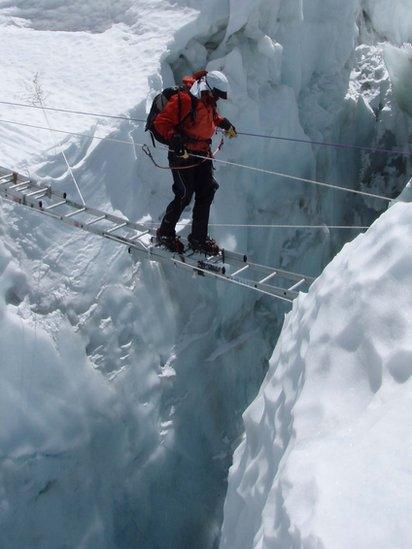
x=16, y=195
x=34, y=205
x=269, y=290
x=98, y=213
x=73, y=204
x=92, y=211
x=285, y=292
x=193, y=267
x=268, y=270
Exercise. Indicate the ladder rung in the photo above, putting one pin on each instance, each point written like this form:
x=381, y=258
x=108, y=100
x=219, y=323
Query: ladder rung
x=71, y=214
x=96, y=219
x=7, y=176
x=267, y=278
x=38, y=191
x=17, y=186
x=297, y=285
x=116, y=227
x=240, y=271
x=137, y=236
x=55, y=205
x=215, y=258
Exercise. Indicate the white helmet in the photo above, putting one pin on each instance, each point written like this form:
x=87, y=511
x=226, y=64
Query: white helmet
x=214, y=81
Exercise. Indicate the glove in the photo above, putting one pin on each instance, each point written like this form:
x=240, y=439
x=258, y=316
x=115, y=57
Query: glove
x=230, y=130
x=177, y=145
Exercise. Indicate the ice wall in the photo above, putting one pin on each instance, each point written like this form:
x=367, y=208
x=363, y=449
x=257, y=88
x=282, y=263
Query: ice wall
x=392, y=22
x=324, y=460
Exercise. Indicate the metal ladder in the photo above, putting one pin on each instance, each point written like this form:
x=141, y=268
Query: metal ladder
x=228, y=266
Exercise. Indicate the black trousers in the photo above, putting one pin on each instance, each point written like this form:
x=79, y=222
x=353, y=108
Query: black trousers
x=198, y=181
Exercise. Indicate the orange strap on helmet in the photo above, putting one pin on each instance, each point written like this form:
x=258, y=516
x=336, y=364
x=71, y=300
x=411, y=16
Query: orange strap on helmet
x=199, y=74
x=188, y=81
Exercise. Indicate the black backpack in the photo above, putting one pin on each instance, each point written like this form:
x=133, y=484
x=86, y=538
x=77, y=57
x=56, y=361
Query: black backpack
x=159, y=103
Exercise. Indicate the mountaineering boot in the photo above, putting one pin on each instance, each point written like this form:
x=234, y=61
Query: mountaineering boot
x=207, y=246
x=172, y=243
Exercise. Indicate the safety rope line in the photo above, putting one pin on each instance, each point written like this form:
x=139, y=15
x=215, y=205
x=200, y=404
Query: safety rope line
x=248, y=134
x=63, y=153
x=225, y=162
x=296, y=178
x=70, y=111
x=76, y=134
x=328, y=144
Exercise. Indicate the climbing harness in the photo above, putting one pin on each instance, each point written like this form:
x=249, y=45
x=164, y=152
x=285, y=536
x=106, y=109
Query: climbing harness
x=212, y=156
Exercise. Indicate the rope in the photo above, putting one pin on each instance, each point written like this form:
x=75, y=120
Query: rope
x=326, y=144
x=248, y=134
x=302, y=179
x=226, y=162
x=63, y=153
x=76, y=134
x=69, y=111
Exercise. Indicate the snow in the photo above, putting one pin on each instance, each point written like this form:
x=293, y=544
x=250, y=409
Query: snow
x=124, y=384
x=113, y=66
x=326, y=455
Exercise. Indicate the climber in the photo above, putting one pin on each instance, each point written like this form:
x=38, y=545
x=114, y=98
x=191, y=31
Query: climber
x=187, y=123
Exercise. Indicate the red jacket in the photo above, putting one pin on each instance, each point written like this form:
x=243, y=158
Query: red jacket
x=201, y=127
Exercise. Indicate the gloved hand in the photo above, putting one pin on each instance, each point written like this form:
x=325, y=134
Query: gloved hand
x=230, y=130
x=177, y=145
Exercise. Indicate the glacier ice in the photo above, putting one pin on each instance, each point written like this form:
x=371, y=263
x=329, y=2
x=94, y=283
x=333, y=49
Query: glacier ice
x=131, y=403
x=399, y=63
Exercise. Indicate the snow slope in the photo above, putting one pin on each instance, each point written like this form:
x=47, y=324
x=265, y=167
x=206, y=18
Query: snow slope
x=95, y=71
x=326, y=458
